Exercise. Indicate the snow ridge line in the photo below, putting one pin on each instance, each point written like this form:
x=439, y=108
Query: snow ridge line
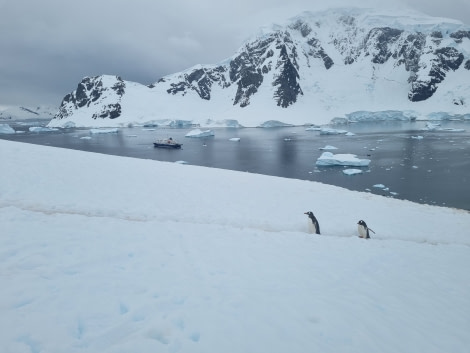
x=53, y=211
x=246, y=226
x=132, y=218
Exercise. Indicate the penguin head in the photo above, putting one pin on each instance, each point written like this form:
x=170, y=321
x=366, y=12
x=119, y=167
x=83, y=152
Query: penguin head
x=362, y=223
x=310, y=215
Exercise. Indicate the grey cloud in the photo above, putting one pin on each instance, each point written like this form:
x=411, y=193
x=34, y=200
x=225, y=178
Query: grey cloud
x=47, y=46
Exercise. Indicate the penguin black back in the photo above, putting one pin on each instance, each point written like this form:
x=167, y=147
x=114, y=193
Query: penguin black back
x=314, y=225
x=363, y=229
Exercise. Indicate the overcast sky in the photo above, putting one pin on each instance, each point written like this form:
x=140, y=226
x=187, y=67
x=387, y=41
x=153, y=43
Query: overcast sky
x=48, y=46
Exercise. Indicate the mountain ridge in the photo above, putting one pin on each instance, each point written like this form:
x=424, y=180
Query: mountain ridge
x=314, y=68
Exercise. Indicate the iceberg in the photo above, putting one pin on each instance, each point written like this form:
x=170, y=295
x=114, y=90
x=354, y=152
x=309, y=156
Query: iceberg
x=447, y=116
x=330, y=159
x=352, y=171
x=200, y=133
x=41, y=129
x=235, y=139
x=274, y=123
x=328, y=131
x=328, y=147
x=6, y=129
x=432, y=126
x=313, y=128
x=386, y=115
x=104, y=131
x=222, y=123
x=437, y=127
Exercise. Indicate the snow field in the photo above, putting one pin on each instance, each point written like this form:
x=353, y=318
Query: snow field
x=108, y=254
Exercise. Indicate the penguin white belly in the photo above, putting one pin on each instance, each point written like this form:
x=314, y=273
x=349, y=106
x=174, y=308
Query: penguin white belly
x=311, y=227
x=362, y=231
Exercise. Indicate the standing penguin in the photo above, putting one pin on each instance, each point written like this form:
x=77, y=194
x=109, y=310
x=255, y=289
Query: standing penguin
x=363, y=230
x=313, y=226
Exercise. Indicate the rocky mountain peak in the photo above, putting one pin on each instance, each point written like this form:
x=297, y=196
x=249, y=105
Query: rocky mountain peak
x=338, y=58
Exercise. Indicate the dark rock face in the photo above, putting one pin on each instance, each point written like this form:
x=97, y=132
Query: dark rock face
x=288, y=87
x=247, y=75
x=284, y=59
x=89, y=91
x=247, y=71
x=248, y=68
x=410, y=52
x=446, y=59
x=200, y=81
x=317, y=51
x=111, y=111
x=303, y=27
x=381, y=40
x=467, y=64
x=460, y=35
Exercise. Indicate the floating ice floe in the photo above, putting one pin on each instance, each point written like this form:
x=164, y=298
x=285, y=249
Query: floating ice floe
x=352, y=171
x=200, y=133
x=349, y=133
x=6, y=129
x=313, y=128
x=417, y=137
x=330, y=159
x=328, y=147
x=432, y=126
x=449, y=129
x=328, y=131
x=104, y=131
x=85, y=138
x=437, y=127
x=274, y=123
x=41, y=129
x=235, y=139
x=379, y=186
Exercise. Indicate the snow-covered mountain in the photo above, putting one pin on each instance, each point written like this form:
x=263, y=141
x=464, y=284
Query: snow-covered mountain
x=23, y=113
x=316, y=67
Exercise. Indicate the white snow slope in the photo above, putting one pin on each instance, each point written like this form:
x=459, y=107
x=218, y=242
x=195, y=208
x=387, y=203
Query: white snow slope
x=101, y=253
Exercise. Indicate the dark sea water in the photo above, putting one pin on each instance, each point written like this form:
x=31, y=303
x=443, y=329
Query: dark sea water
x=433, y=169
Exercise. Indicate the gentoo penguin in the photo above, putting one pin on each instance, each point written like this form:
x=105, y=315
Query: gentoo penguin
x=313, y=226
x=363, y=230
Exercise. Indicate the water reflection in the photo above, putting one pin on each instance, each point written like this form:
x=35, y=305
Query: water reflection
x=433, y=169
